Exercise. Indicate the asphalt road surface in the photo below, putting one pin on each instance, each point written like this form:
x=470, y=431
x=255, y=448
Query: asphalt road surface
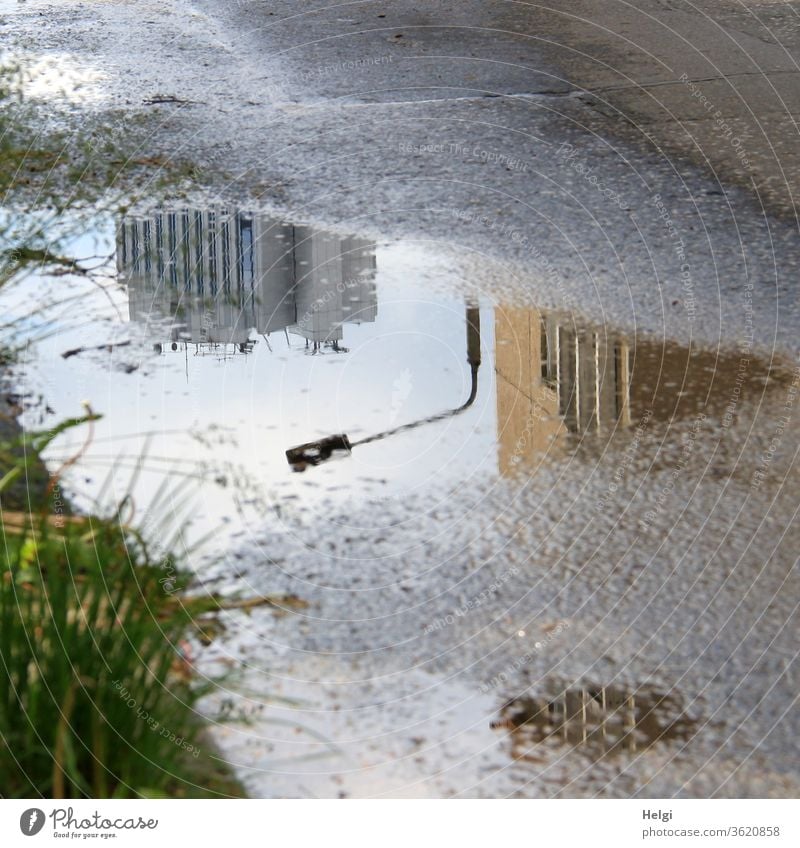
x=633, y=166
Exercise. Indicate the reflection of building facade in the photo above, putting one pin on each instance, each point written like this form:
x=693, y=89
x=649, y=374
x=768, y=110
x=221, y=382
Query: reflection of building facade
x=605, y=719
x=553, y=378
x=218, y=275
x=334, y=284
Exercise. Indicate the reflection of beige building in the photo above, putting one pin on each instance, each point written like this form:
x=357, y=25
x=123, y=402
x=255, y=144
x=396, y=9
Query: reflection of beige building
x=219, y=275
x=553, y=378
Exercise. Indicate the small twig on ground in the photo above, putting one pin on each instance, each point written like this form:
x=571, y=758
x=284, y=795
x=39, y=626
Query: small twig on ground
x=169, y=99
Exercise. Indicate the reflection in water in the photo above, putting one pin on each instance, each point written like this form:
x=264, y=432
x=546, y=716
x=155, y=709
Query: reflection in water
x=402, y=506
x=553, y=378
x=604, y=719
x=321, y=450
x=321, y=357
x=557, y=380
x=217, y=276
x=216, y=280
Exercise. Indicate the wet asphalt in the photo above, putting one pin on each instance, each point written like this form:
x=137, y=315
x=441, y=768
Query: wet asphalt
x=550, y=159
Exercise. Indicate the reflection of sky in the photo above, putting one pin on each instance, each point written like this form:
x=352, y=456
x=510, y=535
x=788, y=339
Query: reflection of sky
x=238, y=415
x=56, y=76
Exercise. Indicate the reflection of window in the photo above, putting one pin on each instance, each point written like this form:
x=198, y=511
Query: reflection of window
x=172, y=237
x=212, y=252
x=198, y=252
x=187, y=254
x=547, y=355
x=160, y=247
x=124, y=229
x=246, y=265
x=226, y=255
x=135, y=247
x=147, y=246
x=622, y=372
x=568, y=377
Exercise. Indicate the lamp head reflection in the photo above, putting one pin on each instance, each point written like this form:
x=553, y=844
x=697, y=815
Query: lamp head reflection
x=315, y=453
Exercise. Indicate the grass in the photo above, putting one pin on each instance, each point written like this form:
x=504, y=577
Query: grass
x=97, y=698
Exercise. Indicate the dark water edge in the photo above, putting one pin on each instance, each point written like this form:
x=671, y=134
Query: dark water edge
x=27, y=488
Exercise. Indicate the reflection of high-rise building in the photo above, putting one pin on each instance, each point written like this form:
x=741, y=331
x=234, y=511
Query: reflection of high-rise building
x=218, y=275
x=319, y=307
x=359, y=305
x=553, y=378
x=334, y=284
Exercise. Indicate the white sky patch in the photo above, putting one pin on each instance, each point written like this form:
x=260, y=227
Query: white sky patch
x=61, y=76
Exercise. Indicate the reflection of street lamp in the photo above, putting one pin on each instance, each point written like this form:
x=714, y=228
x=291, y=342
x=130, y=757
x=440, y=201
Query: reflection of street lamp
x=315, y=453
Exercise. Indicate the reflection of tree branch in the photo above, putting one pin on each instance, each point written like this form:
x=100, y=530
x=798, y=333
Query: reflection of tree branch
x=109, y=348
x=66, y=268
x=22, y=255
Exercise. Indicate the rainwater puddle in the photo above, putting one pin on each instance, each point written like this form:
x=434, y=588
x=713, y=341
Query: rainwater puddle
x=357, y=433
x=603, y=720
x=273, y=371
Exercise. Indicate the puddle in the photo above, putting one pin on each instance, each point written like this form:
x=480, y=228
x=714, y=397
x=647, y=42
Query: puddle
x=326, y=406
x=603, y=720
x=236, y=350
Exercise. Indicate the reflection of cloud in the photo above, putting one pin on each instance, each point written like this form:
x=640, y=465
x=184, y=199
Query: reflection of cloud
x=401, y=390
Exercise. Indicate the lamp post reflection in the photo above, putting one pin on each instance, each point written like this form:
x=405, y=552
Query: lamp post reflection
x=321, y=450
